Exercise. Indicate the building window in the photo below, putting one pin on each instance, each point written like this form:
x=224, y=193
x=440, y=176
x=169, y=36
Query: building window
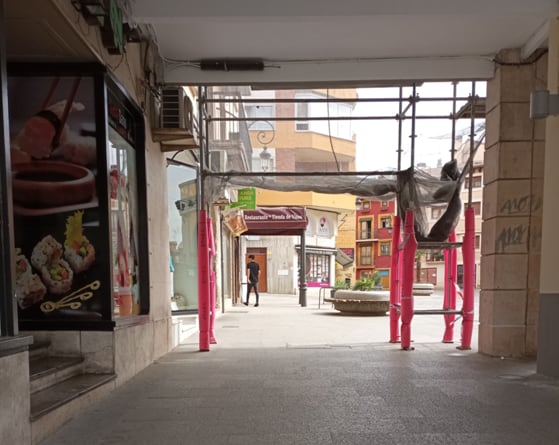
x=366, y=205
x=365, y=255
x=385, y=248
x=385, y=222
x=437, y=255
x=436, y=212
x=476, y=206
x=384, y=204
x=302, y=111
x=365, y=228
x=366, y=274
x=263, y=115
x=478, y=241
x=476, y=182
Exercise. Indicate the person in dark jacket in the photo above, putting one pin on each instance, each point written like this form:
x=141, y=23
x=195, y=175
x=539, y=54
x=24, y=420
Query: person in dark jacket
x=253, y=274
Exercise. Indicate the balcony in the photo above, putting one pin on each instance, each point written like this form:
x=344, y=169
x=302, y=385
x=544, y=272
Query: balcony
x=374, y=235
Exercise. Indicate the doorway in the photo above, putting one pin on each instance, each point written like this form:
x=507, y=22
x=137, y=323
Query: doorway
x=260, y=257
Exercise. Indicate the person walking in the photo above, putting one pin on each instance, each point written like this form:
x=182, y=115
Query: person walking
x=253, y=274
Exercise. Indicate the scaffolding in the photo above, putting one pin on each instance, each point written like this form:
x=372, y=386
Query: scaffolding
x=421, y=189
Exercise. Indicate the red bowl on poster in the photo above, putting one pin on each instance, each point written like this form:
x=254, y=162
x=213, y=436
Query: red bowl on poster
x=44, y=184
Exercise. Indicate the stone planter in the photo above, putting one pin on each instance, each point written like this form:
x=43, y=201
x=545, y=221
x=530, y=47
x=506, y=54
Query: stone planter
x=423, y=288
x=361, y=302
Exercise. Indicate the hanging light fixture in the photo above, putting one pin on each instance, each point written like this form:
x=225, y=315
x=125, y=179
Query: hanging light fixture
x=265, y=159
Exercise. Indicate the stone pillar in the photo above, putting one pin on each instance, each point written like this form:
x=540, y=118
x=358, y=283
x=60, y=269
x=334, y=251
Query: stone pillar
x=548, y=328
x=512, y=209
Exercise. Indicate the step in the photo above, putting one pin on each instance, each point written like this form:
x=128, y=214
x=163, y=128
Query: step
x=45, y=371
x=38, y=349
x=55, y=396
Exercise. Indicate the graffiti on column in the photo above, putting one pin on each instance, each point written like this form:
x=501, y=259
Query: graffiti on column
x=516, y=234
x=511, y=236
x=523, y=204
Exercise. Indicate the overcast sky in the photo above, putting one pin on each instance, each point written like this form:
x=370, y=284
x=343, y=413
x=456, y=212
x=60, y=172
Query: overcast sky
x=377, y=140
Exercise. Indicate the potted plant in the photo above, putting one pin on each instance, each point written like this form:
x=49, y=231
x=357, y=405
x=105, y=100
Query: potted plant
x=377, y=280
x=339, y=284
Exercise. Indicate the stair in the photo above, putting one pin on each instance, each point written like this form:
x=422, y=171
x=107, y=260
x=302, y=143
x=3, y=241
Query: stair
x=59, y=387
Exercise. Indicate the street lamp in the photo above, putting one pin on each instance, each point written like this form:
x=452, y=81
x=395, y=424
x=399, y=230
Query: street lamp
x=264, y=136
x=265, y=159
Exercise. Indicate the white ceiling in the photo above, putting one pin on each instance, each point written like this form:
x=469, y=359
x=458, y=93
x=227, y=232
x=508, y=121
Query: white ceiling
x=350, y=40
x=356, y=42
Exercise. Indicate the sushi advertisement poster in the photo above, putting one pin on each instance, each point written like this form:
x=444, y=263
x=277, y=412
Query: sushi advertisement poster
x=58, y=237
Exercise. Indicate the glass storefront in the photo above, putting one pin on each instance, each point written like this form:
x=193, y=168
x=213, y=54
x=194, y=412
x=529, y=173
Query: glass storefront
x=182, y=186
x=124, y=225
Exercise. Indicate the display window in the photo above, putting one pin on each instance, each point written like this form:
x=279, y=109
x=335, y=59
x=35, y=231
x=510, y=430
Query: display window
x=62, y=137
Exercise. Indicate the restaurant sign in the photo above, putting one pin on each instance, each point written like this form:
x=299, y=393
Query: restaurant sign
x=276, y=220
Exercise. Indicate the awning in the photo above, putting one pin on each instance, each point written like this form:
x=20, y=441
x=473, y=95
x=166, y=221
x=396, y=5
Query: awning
x=275, y=221
x=343, y=259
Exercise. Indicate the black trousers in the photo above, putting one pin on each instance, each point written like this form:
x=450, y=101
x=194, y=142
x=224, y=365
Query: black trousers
x=255, y=287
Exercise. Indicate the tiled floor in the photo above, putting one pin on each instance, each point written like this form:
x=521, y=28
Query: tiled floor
x=282, y=374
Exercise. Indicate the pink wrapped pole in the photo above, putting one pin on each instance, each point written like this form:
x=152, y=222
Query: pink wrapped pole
x=449, y=303
x=395, y=282
x=213, y=340
x=468, y=254
x=211, y=248
x=410, y=247
x=203, y=282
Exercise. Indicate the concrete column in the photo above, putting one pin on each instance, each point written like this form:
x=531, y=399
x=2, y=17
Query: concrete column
x=512, y=208
x=548, y=329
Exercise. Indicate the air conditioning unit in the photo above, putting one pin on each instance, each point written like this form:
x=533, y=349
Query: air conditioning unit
x=218, y=161
x=177, y=110
x=175, y=120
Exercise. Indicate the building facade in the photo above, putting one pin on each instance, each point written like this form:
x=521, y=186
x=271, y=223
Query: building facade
x=374, y=222
x=302, y=145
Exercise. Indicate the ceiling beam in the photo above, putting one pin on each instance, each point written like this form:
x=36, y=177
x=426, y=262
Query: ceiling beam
x=536, y=41
x=355, y=72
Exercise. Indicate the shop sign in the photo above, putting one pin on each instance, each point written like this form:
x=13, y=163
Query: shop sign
x=246, y=199
x=112, y=30
x=276, y=220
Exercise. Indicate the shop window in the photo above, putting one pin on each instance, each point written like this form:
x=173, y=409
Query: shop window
x=124, y=213
x=318, y=269
x=128, y=227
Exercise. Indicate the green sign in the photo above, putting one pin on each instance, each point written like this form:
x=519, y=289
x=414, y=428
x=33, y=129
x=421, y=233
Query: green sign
x=246, y=199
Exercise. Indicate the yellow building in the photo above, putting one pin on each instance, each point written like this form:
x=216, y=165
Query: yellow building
x=301, y=131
